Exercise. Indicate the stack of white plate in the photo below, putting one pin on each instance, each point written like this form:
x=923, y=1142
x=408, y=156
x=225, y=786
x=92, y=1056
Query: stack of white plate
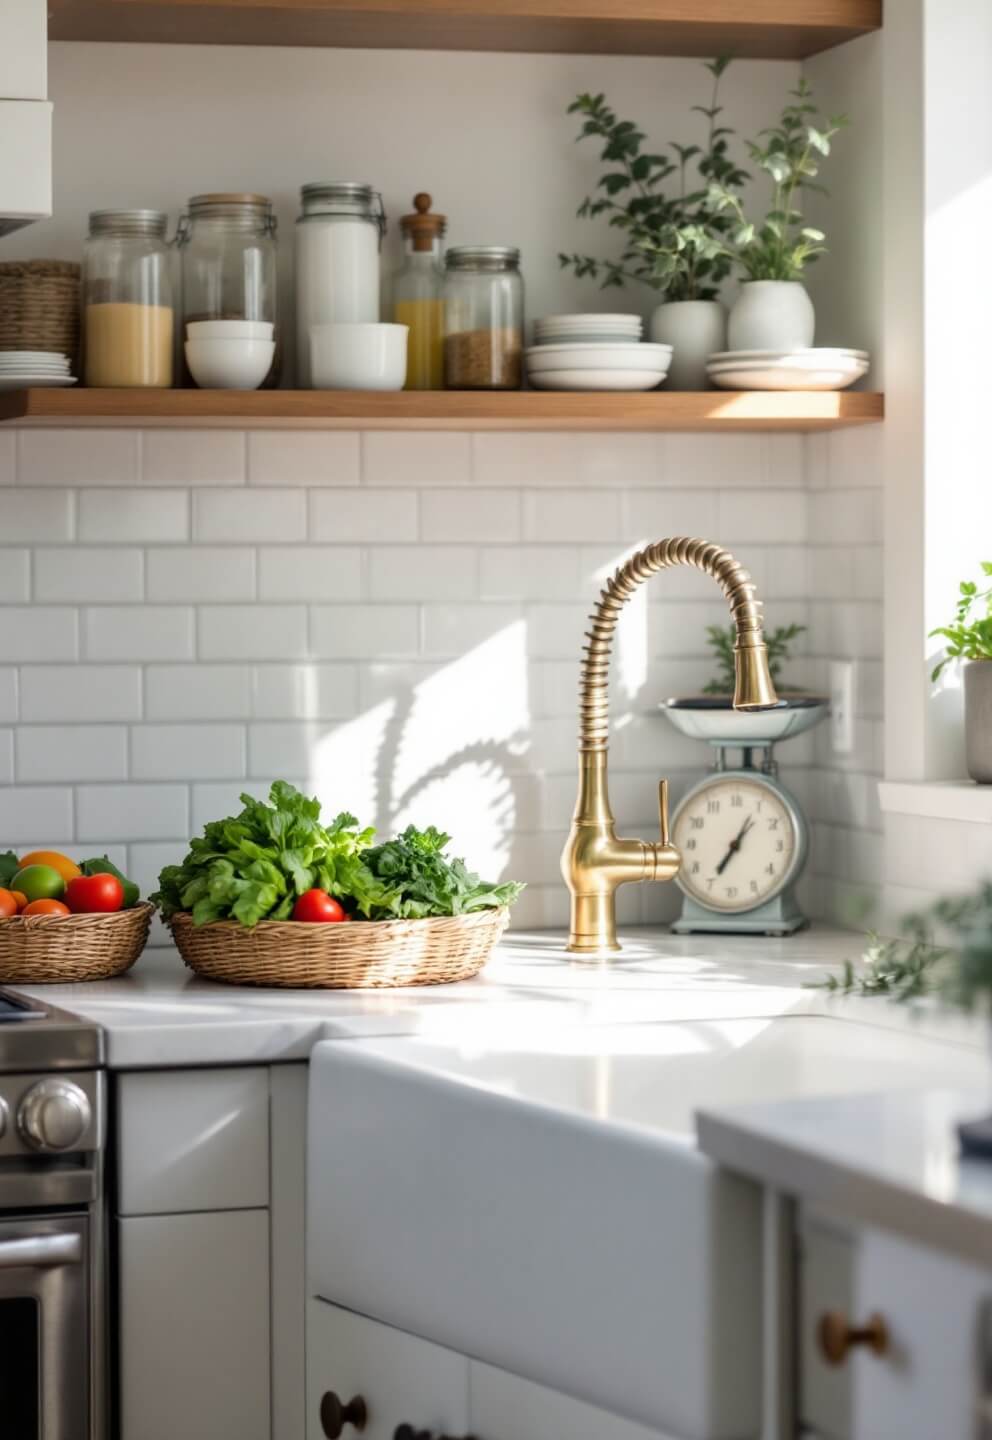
x=581, y=329
x=29, y=369
x=814, y=369
x=594, y=365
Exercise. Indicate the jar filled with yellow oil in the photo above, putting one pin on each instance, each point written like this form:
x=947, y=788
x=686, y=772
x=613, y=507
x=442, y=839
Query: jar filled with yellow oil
x=417, y=300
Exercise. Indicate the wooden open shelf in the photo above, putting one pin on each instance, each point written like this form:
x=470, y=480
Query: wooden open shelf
x=773, y=29
x=713, y=410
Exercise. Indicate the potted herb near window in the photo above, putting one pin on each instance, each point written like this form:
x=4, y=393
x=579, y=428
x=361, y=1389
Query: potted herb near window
x=659, y=227
x=970, y=639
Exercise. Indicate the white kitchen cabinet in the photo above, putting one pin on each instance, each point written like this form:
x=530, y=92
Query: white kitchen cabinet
x=193, y=1326
x=928, y=1383
x=24, y=50
x=193, y=1140
x=505, y=1407
x=400, y=1378
x=25, y=162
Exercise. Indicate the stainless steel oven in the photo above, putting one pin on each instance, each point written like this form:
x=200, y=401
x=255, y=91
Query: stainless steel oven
x=53, y=1349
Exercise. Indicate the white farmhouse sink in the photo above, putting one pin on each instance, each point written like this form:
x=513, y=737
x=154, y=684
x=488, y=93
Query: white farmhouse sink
x=540, y=1203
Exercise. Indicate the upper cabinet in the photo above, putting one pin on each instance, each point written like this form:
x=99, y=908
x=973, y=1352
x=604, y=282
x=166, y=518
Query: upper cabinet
x=772, y=29
x=25, y=115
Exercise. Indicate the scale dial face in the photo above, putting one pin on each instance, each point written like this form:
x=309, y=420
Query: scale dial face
x=740, y=842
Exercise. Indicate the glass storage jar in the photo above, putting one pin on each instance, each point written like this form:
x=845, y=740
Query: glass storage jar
x=483, y=318
x=127, y=302
x=338, y=239
x=417, y=295
x=228, y=250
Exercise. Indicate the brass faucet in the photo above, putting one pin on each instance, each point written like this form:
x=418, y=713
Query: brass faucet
x=595, y=860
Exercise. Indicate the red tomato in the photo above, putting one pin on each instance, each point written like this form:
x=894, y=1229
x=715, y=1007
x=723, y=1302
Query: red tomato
x=46, y=907
x=94, y=894
x=317, y=907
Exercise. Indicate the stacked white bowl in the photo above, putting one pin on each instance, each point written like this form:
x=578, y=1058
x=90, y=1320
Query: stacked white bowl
x=230, y=354
x=595, y=352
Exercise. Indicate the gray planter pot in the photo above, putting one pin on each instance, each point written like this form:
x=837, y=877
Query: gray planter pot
x=978, y=720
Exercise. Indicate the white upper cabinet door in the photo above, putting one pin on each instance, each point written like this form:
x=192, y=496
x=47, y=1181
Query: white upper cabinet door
x=396, y=1378
x=23, y=50
x=25, y=162
x=504, y=1407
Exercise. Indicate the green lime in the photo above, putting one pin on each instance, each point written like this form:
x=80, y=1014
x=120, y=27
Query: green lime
x=39, y=882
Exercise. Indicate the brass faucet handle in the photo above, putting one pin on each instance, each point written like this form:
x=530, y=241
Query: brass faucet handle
x=666, y=838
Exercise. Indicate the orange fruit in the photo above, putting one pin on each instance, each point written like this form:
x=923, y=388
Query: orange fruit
x=46, y=907
x=67, y=868
x=20, y=897
x=8, y=905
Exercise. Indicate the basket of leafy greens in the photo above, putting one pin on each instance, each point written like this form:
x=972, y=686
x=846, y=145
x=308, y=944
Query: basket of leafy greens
x=273, y=896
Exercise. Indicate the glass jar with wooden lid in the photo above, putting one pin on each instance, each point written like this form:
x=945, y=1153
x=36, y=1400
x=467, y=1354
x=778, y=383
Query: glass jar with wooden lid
x=483, y=318
x=126, y=300
x=417, y=295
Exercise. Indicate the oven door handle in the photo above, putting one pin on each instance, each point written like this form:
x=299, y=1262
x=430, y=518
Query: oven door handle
x=41, y=1251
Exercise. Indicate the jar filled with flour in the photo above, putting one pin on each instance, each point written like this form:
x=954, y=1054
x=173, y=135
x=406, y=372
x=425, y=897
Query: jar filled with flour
x=338, y=240
x=127, y=300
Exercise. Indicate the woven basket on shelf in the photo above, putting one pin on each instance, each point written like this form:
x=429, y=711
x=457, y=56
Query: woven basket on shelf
x=362, y=955
x=39, y=306
x=58, y=949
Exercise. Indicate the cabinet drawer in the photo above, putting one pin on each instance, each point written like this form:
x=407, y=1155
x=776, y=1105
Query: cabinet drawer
x=400, y=1378
x=24, y=50
x=827, y=1284
x=193, y=1140
x=504, y=1407
x=194, y=1326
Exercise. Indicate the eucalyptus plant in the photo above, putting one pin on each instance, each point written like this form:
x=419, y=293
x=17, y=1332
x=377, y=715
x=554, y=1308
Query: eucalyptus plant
x=661, y=201
x=968, y=639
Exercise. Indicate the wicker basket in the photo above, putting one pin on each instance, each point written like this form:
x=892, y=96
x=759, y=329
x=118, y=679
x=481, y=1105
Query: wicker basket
x=360, y=956
x=58, y=949
x=39, y=306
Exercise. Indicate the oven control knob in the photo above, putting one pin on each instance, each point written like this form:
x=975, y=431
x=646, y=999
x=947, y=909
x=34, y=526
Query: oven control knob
x=54, y=1115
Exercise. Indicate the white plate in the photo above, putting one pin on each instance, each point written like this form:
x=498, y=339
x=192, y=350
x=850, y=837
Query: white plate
x=25, y=355
x=823, y=353
x=34, y=382
x=784, y=377
x=594, y=317
x=597, y=379
x=627, y=354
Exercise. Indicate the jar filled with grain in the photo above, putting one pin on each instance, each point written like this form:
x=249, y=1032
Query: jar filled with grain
x=127, y=303
x=483, y=318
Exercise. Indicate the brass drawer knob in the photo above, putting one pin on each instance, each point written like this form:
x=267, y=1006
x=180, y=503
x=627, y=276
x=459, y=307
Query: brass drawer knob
x=334, y=1416
x=837, y=1336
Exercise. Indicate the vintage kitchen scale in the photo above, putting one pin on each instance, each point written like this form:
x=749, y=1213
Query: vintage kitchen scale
x=743, y=838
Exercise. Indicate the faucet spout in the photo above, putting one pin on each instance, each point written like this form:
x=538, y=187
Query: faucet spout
x=596, y=861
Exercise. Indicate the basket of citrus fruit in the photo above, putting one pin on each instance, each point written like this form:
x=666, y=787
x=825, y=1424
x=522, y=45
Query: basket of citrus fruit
x=60, y=921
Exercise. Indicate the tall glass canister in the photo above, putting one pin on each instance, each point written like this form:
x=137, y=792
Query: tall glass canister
x=338, y=239
x=228, y=251
x=483, y=318
x=127, y=301
x=417, y=295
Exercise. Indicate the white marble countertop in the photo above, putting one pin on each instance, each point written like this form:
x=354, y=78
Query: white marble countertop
x=161, y=1015
x=889, y=1160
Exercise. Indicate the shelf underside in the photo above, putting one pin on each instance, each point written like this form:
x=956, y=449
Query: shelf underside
x=712, y=410
x=772, y=29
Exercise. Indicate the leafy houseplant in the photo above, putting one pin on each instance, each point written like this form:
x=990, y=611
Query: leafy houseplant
x=721, y=640
x=969, y=638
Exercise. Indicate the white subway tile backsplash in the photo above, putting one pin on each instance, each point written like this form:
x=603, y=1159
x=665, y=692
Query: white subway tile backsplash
x=415, y=458
x=423, y=572
x=15, y=576
x=347, y=516
x=470, y=516
x=214, y=800
x=129, y=516
x=200, y=572
x=78, y=457
x=309, y=572
x=572, y=515
x=845, y=517
x=784, y=575
x=130, y=812
x=30, y=633
x=531, y=572
x=71, y=752
x=8, y=693
x=453, y=630
x=283, y=748
x=6, y=759
x=300, y=457
x=40, y=516
x=145, y=862
x=252, y=632
x=88, y=575
x=193, y=457
x=719, y=461
x=35, y=815
x=353, y=632
x=187, y=752
x=525, y=460
x=138, y=632
x=650, y=515
x=766, y=517
x=80, y=694
x=198, y=692
x=304, y=692
x=238, y=517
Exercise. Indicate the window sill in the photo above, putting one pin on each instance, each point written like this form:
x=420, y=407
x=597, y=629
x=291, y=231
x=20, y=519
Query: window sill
x=937, y=799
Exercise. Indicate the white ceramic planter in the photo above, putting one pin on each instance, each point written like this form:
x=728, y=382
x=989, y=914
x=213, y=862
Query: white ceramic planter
x=771, y=315
x=694, y=329
x=978, y=720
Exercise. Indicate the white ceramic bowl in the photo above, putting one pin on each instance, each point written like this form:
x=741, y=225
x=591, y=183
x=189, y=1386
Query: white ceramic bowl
x=594, y=318
x=230, y=330
x=597, y=379
x=222, y=364
x=592, y=356
x=360, y=356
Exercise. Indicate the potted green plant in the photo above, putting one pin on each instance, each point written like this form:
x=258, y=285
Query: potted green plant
x=969, y=638
x=659, y=202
